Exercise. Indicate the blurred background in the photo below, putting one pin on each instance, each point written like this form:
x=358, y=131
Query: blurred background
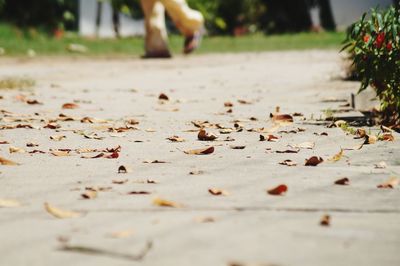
x=49, y=26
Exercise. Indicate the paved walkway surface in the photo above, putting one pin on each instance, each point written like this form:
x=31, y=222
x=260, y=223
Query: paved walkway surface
x=124, y=226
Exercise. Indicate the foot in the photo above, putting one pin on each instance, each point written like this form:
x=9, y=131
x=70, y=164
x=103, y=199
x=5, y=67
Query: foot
x=162, y=54
x=192, y=42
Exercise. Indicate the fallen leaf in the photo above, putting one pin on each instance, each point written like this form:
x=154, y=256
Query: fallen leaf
x=100, y=155
x=337, y=157
x=270, y=138
x=139, y=192
x=314, y=161
x=52, y=126
x=281, y=118
x=4, y=161
x=288, y=151
x=204, y=136
x=92, y=136
x=9, y=203
x=278, y=191
x=123, y=169
x=321, y=134
x=176, y=139
x=361, y=133
x=113, y=155
x=228, y=104
x=59, y=213
x=381, y=165
x=166, y=203
x=343, y=182
x=13, y=149
x=204, y=151
x=288, y=163
x=32, y=102
x=4, y=142
x=387, y=137
x=154, y=161
x=370, y=139
x=235, y=147
x=391, y=183
x=163, y=96
x=32, y=144
x=61, y=153
x=218, y=192
x=244, y=101
x=89, y=194
x=70, y=106
x=120, y=182
x=196, y=172
x=57, y=137
x=325, y=220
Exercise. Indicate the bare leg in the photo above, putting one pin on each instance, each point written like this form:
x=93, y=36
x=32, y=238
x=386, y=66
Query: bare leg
x=156, y=42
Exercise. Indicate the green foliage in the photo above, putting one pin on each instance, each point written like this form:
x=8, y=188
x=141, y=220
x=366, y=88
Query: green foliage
x=374, y=42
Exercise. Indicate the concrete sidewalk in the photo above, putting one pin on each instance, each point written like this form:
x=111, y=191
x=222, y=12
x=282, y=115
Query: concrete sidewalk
x=246, y=227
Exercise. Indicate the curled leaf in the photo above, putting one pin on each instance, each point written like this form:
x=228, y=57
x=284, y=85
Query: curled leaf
x=278, y=191
x=282, y=118
x=270, y=138
x=236, y=147
x=4, y=161
x=204, y=136
x=325, y=220
x=163, y=96
x=166, y=203
x=70, y=106
x=176, y=139
x=205, y=151
x=336, y=157
x=123, y=169
x=314, y=161
x=13, y=149
x=342, y=182
x=59, y=213
x=57, y=137
x=288, y=163
x=89, y=194
x=218, y=192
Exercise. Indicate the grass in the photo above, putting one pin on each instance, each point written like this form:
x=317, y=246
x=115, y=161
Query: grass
x=16, y=42
x=16, y=83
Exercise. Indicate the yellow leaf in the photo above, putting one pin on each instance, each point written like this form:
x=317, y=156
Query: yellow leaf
x=8, y=203
x=166, y=203
x=4, y=161
x=59, y=213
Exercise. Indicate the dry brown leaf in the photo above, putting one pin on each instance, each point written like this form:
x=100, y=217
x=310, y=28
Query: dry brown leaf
x=281, y=118
x=32, y=144
x=342, y=182
x=176, y=139
x=387, y=137
x=314, y=161
x=270, y=138
x=13, y=149
x=337, y=157
x=59, y=213
x=228, y=104
x=32, y=102
x=370, y=139
x=288, y=163
x=218, y=192
x=61, y=153
x=123, y=169
x=204, y=136
x=9, y=203
x=241, y=101
x=92, y=136
x=70, y=106
x=52, y=126
x=196, y=172
x=361, y=133
x=4, y=161
x=163, y=96
x=120, y=182
x=288, y=151
x=325, y=220
x=57, y=137
x=237, y=147
x=89, y=194
x=204, y=151
x=141, y=192
x=391, y=183
x=4, y=142
x=166, y=203
x=278, y=191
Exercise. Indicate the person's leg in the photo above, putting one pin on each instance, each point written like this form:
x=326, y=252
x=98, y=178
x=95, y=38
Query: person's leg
x=156, y=42
x=189, y=22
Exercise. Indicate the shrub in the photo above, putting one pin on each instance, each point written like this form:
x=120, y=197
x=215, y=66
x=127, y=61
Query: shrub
x=373, y=42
